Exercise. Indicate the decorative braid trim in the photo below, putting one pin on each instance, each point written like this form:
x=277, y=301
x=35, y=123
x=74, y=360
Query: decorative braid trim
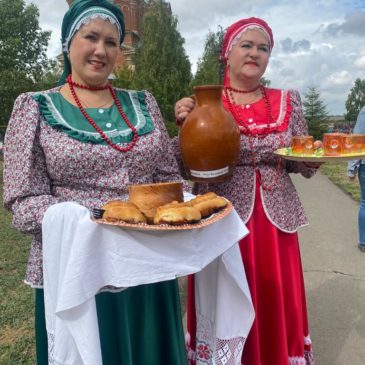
x=229, y=352
x=309, y=358
x=210, y=349
x=297, y=361
x=51, y=341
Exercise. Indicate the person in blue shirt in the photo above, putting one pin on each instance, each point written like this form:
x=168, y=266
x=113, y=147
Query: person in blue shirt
x=358, y=166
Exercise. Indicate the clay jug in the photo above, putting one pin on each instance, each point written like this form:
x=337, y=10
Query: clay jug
x=209, y=138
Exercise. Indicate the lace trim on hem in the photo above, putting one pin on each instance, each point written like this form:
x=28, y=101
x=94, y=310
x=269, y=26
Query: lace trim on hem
x=297, y=361
x=211, y=350
x=309, y=358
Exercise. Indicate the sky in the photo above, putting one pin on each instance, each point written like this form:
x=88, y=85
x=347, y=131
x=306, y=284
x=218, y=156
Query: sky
x=318, y=43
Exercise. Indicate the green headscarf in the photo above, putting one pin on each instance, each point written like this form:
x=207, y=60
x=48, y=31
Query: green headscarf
x=79, y=13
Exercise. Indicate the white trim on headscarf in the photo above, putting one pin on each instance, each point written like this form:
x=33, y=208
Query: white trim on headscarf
x=83, y=19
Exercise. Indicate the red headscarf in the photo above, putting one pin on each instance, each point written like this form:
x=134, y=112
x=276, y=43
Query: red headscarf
x=234, y=32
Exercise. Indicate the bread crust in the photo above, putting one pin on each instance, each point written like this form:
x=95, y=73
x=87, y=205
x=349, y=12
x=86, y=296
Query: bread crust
x=208, y=203
x=118, y=210
x=148, y=197
x=176, y=214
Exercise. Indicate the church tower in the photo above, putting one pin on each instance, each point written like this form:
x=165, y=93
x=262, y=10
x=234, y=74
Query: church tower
x=133, y=11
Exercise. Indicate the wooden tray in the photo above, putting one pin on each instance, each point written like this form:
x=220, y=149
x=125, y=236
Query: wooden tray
x=317, y=157
x=167, y=227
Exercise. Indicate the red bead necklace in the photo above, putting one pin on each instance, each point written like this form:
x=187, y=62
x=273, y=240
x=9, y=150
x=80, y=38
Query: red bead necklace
x=239, y=118
x=73, y=84
x=252, y=134
x=240, y=91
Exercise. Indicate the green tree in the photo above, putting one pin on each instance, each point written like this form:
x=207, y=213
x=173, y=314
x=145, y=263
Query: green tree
x=23, y=48
x=315, y=112
x=162, y=67
x=49, y=77
x=125, y=78
x=210, y=67
x=264, y=81
x=355, y=100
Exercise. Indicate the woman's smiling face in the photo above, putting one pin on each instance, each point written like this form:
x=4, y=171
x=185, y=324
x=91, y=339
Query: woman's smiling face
x=94, y=51
x=249, y=57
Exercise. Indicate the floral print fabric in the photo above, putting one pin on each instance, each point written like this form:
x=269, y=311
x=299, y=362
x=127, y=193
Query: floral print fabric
x=44, y=166
x=280, y=199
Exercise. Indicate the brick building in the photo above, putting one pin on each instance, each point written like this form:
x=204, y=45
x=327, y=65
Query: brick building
x=133, y=11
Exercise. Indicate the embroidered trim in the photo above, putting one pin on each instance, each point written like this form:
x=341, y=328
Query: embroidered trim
x=211, y=350
x=203, y=353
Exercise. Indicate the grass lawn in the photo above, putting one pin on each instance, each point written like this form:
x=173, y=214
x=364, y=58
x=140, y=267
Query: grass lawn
x=337, y=173
x=16, y=299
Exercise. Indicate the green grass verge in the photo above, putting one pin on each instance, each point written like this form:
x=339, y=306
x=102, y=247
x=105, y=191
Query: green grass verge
x=337, y=173
x=16, y=299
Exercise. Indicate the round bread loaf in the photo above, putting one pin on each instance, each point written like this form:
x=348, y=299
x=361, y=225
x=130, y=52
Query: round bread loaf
x=148, y=197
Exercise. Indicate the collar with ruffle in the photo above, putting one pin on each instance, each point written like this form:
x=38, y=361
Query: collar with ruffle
x=61, y=114
x=253, y=116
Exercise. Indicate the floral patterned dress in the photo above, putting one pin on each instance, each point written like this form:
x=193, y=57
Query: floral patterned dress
x=265, y=198
x=53, y=155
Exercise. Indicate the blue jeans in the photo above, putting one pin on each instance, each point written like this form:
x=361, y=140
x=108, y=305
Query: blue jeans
x=362, y=205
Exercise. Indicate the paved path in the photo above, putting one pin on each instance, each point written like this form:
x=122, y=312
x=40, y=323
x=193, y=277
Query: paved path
x=334, y=271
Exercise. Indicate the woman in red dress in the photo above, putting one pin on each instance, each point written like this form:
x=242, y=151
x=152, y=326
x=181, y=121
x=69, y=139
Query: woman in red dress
x=266, y=200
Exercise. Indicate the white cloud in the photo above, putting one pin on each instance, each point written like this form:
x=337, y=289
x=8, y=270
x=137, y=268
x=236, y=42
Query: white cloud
x=50, y=18
x=360, y=62
x=340, y=78
x=324, y=48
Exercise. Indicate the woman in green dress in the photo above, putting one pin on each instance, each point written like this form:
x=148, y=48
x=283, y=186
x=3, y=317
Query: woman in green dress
x=85, y=141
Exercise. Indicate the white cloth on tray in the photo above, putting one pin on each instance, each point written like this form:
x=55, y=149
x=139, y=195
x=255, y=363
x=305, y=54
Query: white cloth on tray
x=81, y=257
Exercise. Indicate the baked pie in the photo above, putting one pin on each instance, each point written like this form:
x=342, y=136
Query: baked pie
x=118, y=210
